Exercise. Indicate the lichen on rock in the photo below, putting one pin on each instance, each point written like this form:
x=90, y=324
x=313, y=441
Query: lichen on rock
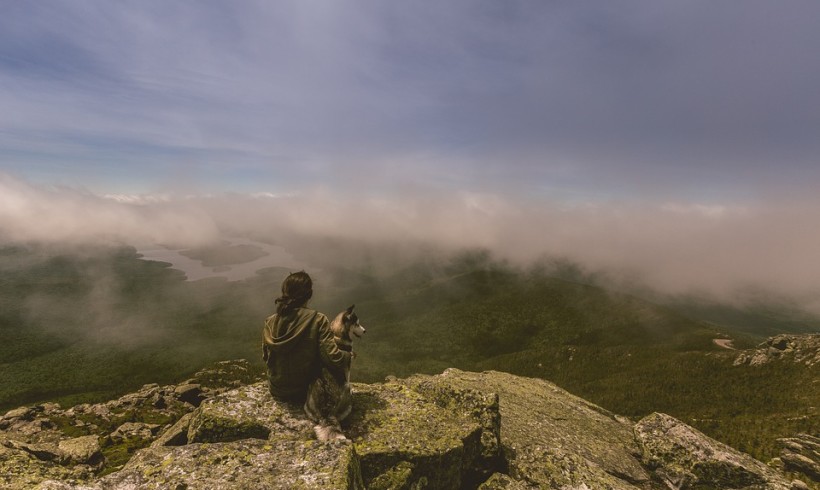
x=801, y=454
x=249, y=463
x=247, y=412
x=500, y=481
x=537, y=416
x=21, y=469
x=455, y=430
x=391, y=424
x=683, y=457
x=81, y=450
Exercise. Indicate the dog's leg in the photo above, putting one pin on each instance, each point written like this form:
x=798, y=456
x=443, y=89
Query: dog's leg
x=328, y=430
x=314, y=400
x=345, y=405
x=322, y=399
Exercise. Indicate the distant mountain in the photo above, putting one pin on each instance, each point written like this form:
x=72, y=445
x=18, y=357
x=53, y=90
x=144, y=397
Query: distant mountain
x=755, y=316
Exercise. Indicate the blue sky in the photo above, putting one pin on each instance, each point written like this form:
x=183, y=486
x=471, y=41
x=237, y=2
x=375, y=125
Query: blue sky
x=697, y=100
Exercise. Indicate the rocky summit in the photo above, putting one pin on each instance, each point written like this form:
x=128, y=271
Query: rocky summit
x=454, y=430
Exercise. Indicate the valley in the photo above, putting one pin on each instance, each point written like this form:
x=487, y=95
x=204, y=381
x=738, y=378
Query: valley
x=88, y=325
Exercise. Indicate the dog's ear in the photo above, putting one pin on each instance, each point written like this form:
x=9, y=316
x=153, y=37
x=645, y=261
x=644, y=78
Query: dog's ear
x=350, y=309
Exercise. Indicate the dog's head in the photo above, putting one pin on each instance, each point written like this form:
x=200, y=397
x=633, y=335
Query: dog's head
x=346, y=325
x=351, y=321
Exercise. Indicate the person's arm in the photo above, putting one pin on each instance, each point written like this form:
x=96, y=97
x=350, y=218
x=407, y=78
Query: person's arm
x=265, y=353
x=267, y=337
x=331, y=355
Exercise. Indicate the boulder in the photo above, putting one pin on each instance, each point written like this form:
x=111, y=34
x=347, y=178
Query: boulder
x=479, y=405
x=43, y=452
x=683, y=457
x=247, y=412
x=22, y=413
x=189, y=393
x=399, y=433
x=799, y=485
x=134, y=431
x=176, y=435
x=81, y=450
x=543, y=425
x=19, y=469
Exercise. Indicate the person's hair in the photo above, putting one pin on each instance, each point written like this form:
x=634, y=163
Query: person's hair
x=297, y=289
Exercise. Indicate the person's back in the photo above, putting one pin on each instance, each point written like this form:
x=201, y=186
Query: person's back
x=297, y=341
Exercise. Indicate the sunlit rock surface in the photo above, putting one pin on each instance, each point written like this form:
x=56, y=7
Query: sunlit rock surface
x=684, y=457
x=249, y=463
x=455, y=430
x=551, y=438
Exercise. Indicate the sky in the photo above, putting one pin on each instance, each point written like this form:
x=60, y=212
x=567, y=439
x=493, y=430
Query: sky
x=574, y=100
x=676, y=138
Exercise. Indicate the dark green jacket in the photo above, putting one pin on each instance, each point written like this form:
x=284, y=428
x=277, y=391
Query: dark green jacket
x=294, y=348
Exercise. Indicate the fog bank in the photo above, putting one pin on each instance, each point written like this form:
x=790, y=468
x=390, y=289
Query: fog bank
x=675, y=247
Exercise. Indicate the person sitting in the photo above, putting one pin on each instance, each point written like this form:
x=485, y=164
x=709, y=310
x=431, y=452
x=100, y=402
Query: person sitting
x=297, y=341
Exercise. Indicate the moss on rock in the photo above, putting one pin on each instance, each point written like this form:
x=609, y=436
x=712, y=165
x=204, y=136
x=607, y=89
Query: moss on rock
x=500, y=481
x=249, y=463
x=540, y=467
x=399, y=477
x=481, y=406
x=684, y=457
x=393, y=424
x=22, y=470
x=538, y=417
x=247, y=412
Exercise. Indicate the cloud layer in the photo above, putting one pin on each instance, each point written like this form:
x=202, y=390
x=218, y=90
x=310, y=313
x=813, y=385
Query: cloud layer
x=67, y=215
x=674, y=247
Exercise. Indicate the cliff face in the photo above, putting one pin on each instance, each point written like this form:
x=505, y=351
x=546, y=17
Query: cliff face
x=455, y=430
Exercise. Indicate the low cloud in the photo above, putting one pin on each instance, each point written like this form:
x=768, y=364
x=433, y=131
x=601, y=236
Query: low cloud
x=67, y=215
x=675, y=247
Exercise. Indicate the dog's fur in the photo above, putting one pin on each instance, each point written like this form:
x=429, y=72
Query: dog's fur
x=329, y=400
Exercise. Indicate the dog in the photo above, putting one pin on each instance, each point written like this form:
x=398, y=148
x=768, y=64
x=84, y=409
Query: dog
x=329, y=400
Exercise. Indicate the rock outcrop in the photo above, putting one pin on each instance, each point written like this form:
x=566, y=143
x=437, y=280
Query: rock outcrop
x=75, y=444
x=795, y=348
x=683, y=457
x=455, y=430
x=550, y=438
x=801, y=454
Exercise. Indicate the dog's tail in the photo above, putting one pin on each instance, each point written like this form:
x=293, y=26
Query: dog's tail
x=329, y=431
